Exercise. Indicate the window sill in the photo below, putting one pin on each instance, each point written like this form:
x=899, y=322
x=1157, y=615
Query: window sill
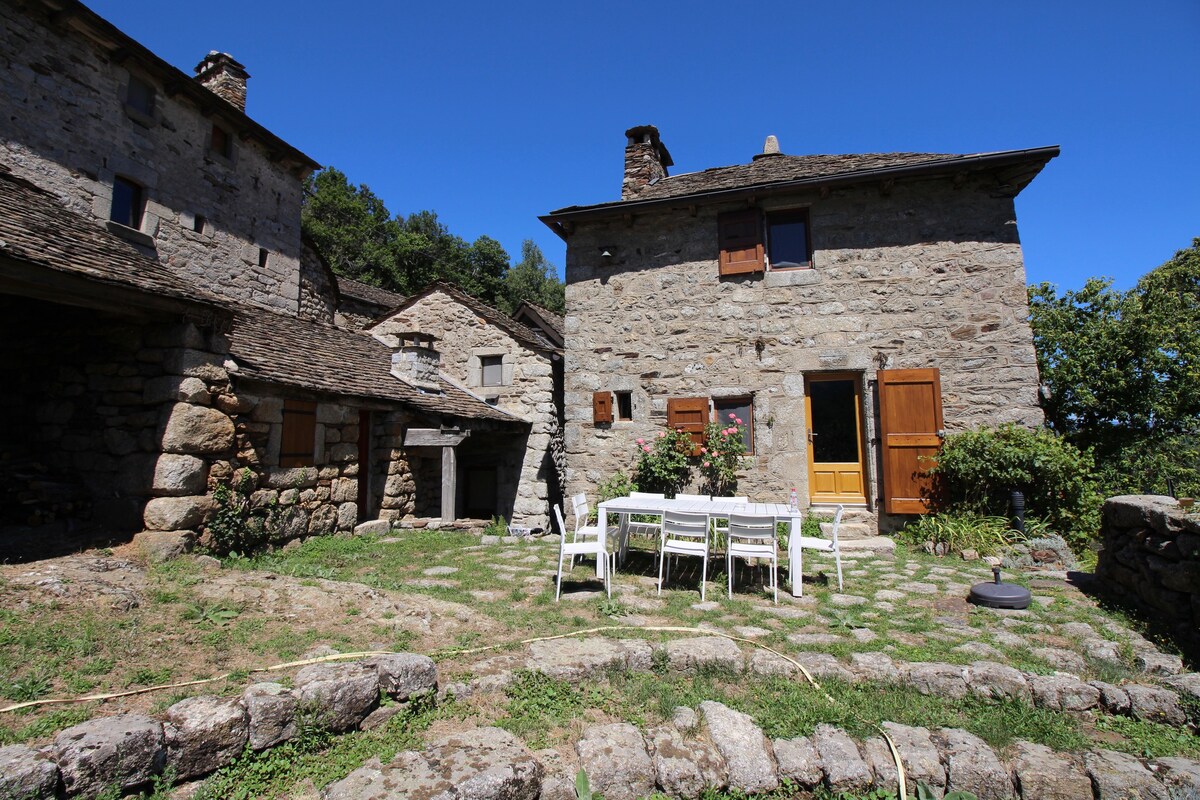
x=130, y=234
x=141, y=118
x=792, y=277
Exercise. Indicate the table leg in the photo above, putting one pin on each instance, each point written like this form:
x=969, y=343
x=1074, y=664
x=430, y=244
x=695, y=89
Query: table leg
x=795, y=557
x=602, y=525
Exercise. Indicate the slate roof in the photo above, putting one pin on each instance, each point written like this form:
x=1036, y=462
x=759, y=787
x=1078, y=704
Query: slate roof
x=772, y=170
x=324, y=358
x=538, y=320
x=366, y=293
x=495, y=316
x=553, y=319
x=36, y=227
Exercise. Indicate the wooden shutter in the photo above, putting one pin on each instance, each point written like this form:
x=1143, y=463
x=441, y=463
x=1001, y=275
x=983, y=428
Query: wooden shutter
x=689, y=414
x=602, y=408
x=297, y=447
x=740, y=236
x=910, y=427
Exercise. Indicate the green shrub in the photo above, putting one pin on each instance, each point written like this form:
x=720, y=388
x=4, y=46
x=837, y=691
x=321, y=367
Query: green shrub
x=721, y=456
x=960, y=531
x=979, y=469
x=617, y=485
x=237, y=527
x=663, y=462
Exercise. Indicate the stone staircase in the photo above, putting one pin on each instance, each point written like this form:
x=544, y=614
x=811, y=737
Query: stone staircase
x=859, y=529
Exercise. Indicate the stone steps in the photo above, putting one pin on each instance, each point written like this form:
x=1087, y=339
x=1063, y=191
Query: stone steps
x=858, y=522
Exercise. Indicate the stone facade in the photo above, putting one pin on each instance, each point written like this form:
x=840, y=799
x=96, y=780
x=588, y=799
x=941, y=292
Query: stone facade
x=228, y=221
x=928, y=273
x=1150, y=555
x=526, y=482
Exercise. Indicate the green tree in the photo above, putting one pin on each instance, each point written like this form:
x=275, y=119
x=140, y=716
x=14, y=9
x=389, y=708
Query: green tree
x=353, y=230
x=535, y=279
x=1121, y=373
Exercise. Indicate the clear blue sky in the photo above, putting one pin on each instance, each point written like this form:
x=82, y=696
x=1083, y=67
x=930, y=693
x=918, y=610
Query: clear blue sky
x=491, y=113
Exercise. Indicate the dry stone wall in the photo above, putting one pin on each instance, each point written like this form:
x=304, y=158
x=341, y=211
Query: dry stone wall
x=1150, y=554
x=926, y=276
x=230, y=224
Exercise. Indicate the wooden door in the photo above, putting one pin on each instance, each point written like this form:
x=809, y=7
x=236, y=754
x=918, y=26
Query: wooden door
x=832, y=405
x=910, y=429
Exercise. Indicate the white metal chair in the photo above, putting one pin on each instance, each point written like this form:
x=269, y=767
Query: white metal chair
x=829, y=545
x=683, y=534
x=752, y=536
x=587, y=547
x=693, y=497
x=646, y=528
x=583, y=513
x=722, y=531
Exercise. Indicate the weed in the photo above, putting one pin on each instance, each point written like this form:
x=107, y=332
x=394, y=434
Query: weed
x=210, y=614
x=610, y=608
x=537, y=702
x=149, y=677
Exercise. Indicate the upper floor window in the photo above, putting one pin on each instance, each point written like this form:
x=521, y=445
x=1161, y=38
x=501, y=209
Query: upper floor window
x=492, y=369
x=739, y=412
x=787, y=240
x=128, y=203
x=221, y=142
x=139, y=96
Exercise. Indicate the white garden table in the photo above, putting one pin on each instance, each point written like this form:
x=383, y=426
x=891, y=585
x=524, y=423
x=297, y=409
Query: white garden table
x=719, y=509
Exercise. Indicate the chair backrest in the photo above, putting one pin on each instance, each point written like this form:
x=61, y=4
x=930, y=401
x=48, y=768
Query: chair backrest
x=730, y=499
x=692, y=497
x=837, y=521
x=751, y=526
x=582, y=511
x=562, y=526
x=684, y=525
x=648, y=495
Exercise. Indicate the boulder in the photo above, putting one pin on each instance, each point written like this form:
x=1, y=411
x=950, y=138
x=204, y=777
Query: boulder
x=972, y=766
x=942, y=680
x=917, y=753
x=197, y=430
x=402, y=675
x=159, y=546
x=798, y=761
x=1113, y=699
x=1162, y=665
x=558, y=774
x=845, y=770
x=271, y=709
x=478, y=764
x=877, y=667
x=177, y=513
x=1182, y=773
x=577, y=659
x=703, y=652
x=26, y=774
x=616, y=761
x=747, y=752
x=995, y=681
x=1155, y=705
x=762, y=662
x=1041, y=774
x=1063, y=693
x=340, y=695
x=126, y=750
x=347, y=515
x=1117, y=776
x=204, y=734
x=176, y=474
x=823, y=665
x=684, y=768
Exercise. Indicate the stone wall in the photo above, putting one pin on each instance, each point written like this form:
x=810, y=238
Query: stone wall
x=317, y=292
x=1150, y=555
x=231, y=224
x=926, y=276
x=527, y=391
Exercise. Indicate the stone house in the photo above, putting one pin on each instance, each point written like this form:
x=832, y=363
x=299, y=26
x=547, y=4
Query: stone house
x=166, y=324
x=851, y=308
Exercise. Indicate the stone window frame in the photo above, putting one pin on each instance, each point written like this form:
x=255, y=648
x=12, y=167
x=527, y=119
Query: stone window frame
x=475, y=367
x=146, y=117
x=212, y=154
x=139, y=212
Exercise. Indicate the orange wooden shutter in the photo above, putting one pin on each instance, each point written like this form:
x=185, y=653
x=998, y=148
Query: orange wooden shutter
x=910, y=425
x=298, y=439
x=740, y=236
x=689, y=415
x=602, y=408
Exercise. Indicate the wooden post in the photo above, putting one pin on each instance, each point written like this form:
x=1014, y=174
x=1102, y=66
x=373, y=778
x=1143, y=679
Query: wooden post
x=449, y=483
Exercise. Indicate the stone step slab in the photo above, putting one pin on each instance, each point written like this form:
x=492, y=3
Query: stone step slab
x=1117, y=775
x=204, y=734
x=616, y=761
x=748, y=754
x=125, y=750
x=1039, y=772
x=684, y=768
x=972, y=766
x=26, y=773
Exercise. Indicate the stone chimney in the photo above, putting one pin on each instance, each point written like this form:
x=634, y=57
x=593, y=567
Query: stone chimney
x=646, y=160
x=770, y=148
x=224, y=76
x=415, y=360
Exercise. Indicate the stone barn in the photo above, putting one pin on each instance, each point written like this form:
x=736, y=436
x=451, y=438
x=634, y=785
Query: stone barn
x=851, y=308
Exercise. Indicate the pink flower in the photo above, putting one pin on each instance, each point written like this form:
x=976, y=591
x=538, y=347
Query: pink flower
x=646, y=448
x=725, y=432
x=703, y=449
x=662, y=434
x=732, y=415
x=735, y=419
x=641, y=441
x=706, y=463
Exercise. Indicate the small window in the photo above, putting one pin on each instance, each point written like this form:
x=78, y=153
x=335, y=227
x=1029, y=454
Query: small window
x=199, y=223
x=297, y=444
x=140, y=96
x=492, y=369
x=221, y=142
x=739, y=410
x=624, y=406
x=263, y=253
x=128, y=203
x=787, y=240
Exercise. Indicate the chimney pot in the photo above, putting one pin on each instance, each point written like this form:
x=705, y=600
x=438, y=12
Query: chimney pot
x=646, y=160
x=224, y=76
x=770, y=148
x=415, y=361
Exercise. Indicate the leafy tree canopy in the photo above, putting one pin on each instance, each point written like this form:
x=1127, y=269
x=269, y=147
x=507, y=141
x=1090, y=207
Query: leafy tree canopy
x=363, y=240
x=1121, y=373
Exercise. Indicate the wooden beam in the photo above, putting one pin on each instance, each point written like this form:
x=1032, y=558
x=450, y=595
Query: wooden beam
x=433, y=437
x=449, y=484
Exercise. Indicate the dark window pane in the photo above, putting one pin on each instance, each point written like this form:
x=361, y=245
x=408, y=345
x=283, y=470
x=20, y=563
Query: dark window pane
x=140, y=96
x=787, y=236
x=126, y=203
x=834, y=422
x=743, y=409
x=220, y=141
x=624, y=405
x=493, y=370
